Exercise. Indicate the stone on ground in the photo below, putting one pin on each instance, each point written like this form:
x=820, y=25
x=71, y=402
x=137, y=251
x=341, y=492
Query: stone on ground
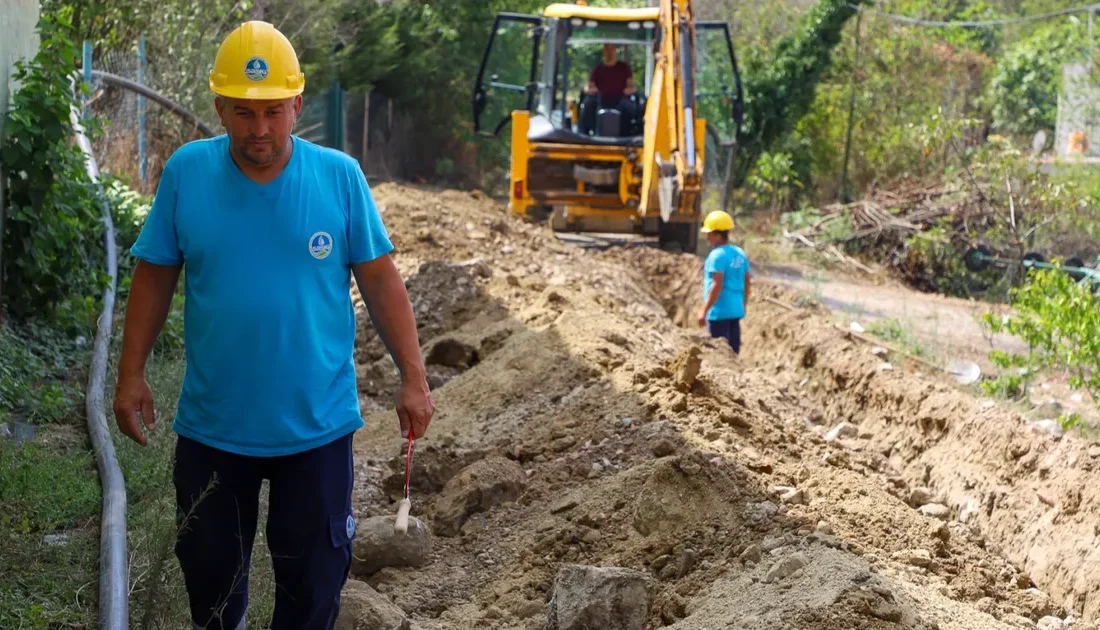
x=363, y=608
x=604, y=598
x=685, y=368
x=477, y=488
x=377, y=547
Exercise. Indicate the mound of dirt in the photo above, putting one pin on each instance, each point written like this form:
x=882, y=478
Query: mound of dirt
x=1023, y=488
x=607, y=431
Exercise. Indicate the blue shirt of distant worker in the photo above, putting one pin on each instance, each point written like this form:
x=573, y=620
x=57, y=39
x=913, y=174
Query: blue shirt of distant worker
x=727, y=281
x=268, y=320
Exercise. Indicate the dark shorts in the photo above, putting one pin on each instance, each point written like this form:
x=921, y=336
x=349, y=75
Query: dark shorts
x=310, y=528
x=728, y=329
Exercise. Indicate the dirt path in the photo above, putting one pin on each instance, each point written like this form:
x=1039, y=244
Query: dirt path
x=799, y=486
x=950, y=325
x=940, y=327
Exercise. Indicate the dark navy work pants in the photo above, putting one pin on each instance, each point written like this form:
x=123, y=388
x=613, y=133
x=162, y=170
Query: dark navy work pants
x=310, y=528
x=728, y=329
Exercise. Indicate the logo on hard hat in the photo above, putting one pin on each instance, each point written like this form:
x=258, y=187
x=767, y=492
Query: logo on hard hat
x=320, y=245
x=256, y=69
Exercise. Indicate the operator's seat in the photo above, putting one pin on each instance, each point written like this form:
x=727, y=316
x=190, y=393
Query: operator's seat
x=542, y=130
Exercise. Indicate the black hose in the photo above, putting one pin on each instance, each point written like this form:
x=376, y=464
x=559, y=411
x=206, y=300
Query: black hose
x=172, y=106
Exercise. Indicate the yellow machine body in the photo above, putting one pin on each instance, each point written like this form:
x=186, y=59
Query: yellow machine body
x=646, y=180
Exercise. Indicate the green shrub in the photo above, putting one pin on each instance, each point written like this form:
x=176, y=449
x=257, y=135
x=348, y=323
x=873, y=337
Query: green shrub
x=1059, y=318
x=53, y=241
x=35, y=372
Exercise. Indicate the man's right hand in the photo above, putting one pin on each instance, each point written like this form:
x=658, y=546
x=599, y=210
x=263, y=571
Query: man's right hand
x=133, y=395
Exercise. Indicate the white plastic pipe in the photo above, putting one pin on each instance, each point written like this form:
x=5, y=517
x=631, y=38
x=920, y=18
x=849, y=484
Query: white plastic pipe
x=114, y=613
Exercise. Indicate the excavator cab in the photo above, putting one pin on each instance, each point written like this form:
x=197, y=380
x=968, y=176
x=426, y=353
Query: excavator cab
x=629, y=166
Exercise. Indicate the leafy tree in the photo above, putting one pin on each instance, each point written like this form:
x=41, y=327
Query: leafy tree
x=780, y=88
x=1025, y=87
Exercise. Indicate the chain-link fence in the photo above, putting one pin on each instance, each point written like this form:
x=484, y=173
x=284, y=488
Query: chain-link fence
x=139, y=135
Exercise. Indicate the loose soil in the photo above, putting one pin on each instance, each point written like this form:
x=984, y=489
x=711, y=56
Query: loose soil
x=803, y=485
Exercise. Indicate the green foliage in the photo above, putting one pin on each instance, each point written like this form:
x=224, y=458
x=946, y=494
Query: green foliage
x=46, y=491
x=933, y=262
x=1014, y=381
x=34, y=471
x=774, y=182
x=780, y=88
x=53, y=241
x=35, y=364
x=1060, y=319
x=1074, y=421
x=128, y=211
x=426, y=58
x=897, y=332
x=1028, y=78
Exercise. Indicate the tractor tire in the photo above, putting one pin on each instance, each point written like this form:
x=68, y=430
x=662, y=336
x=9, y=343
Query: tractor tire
x=1074, y=265
x=539, y=214
x=977, y=259
x=1031, y=259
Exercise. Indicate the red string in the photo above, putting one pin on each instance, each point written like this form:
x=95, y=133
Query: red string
x=408, y=463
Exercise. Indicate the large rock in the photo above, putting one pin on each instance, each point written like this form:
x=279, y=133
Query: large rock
x=363, y=608
x=477, y=488
x=377, y=547
x=671, y=499
x=599, y=598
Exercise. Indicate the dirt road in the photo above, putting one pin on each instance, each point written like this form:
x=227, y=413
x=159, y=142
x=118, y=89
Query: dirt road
x=802, y=485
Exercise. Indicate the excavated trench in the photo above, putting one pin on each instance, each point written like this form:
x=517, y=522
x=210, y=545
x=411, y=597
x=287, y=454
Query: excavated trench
x=1024, y=490
x=583, y=421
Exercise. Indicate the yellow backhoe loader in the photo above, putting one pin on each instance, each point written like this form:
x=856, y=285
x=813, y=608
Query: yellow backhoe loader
x=634, y=164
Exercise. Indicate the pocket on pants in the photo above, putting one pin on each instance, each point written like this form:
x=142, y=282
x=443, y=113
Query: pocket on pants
x=342, y=528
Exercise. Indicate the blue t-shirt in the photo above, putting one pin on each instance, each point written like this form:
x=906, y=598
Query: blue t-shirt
x=731, y=261
x=269, y=325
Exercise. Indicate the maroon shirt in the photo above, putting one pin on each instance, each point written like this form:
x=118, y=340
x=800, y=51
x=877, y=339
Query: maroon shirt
x=611, y=80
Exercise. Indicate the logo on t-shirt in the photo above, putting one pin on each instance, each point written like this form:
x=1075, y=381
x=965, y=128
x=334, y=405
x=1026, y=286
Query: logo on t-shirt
x=256, y=69
x=320, y=245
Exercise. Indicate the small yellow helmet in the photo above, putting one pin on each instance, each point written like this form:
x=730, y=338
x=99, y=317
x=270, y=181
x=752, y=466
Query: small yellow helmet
x=258, y=62
x=717, y=221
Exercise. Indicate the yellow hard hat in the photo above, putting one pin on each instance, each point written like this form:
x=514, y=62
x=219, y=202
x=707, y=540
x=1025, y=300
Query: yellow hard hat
x=256, y=61
x=717, y=221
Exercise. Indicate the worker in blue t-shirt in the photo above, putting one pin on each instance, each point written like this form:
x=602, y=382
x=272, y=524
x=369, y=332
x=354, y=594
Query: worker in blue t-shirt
x=271, y=229
x=726, y=281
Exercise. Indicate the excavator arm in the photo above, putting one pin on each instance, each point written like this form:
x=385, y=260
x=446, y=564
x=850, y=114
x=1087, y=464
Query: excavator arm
x=673, y=158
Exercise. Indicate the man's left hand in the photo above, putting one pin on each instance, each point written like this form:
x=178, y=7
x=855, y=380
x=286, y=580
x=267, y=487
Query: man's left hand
x=702, y=321
x=415, y=408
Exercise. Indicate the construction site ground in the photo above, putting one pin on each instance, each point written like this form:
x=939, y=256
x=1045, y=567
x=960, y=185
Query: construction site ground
x=583, y=419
